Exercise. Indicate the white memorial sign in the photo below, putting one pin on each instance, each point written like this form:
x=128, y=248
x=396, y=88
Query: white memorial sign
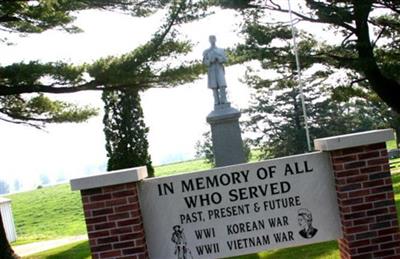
x=241, y=209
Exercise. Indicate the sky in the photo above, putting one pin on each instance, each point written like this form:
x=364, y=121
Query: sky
x=176, y=117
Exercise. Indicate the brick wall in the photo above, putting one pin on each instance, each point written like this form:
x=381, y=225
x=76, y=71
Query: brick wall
x=366, y=203
x=114, y=222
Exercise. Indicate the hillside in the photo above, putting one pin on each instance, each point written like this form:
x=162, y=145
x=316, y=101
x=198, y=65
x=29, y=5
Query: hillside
x=56, y=211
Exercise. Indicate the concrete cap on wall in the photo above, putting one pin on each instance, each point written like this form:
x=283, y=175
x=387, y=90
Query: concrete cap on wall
x=128, y=175
x=353, y=140
x=4, y=200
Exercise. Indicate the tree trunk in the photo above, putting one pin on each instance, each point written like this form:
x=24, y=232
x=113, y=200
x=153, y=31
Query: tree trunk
x=6, y=251
x=386, y=88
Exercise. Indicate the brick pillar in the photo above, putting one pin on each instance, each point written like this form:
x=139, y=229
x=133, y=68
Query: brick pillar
x=112, y=213
x=365, y=194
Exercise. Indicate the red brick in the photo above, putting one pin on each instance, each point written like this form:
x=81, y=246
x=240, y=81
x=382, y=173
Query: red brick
x=352, y=201
x=380, y=225
x=338, y=167
x=377, y=211
x=381, y=254
x=132, y=186
x=129, y=222
x=140, y=242
x=101, y=212
x=89, y=228
x=365, y=235
x=357, y=229
x=342, y=159
x=382, y=239
x=347, y=173
x=355, y=164
x=107, y=240
x=386, y=217
x=359, y=193
x=371, y=169
x=98, y=234
x=377, y=161
x=127, y=208
x=130, y=236
x=123, y=230
x=376, y=197
x=381, y=175
x=111, y=254
x=356, y=179
x=390, y=245
x=100, y=197
x=362, y=207
x=85, y=199
x=94, y=205
x=116, y=202
x=128, y=244
x=367, y=155
x=367, y=249
x=113, y=188
x=92, y=242
x=374, y=183
x=96, y=220
x=381, y=189
x=118, y=216
x=376, y=146
x=101, y=248
x=383, y=203
x=107, y=225
x=90, y=192
x=124, y=193
x=349, y=187
x=133, y=199
x=347, y=151
x=132, y=251
x=363, y=221
x=388, y=231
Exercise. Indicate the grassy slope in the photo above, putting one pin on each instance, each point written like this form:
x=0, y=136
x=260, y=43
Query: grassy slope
x=35, y=221
x=328, y=250
x=47, y=213
x=56, y=211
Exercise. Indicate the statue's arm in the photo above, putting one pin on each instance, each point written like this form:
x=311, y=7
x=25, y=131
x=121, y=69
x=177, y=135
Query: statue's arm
x=223, y=58
x=206, y=58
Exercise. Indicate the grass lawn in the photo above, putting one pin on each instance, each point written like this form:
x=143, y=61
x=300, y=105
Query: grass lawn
x=47, y=213
x=55, y=212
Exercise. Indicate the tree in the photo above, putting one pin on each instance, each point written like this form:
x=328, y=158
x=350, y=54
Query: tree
x=131, y=71
x=35, y=16
x=370, y=33
x=44, y=179
x=276, y=115
x=125, y=131
x=4, y=187
x=124, y=127
x=17, y=185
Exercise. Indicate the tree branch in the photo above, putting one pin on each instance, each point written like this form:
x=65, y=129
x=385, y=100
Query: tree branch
x=276, y=7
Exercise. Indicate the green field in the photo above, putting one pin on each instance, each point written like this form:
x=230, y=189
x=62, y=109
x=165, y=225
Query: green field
x=56, y=212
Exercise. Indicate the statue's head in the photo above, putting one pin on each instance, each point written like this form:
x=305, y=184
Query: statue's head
x=212, y=39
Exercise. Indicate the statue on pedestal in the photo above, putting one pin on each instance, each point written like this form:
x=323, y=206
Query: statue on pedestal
x=214, y=58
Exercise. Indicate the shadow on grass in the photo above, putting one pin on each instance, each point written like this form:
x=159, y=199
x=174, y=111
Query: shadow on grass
x=79, y=250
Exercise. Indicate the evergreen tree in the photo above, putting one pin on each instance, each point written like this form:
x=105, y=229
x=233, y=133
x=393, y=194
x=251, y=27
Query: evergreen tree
x=125, y=131
x=366, y=32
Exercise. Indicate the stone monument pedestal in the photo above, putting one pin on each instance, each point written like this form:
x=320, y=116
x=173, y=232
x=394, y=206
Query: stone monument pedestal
x=226, y=135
